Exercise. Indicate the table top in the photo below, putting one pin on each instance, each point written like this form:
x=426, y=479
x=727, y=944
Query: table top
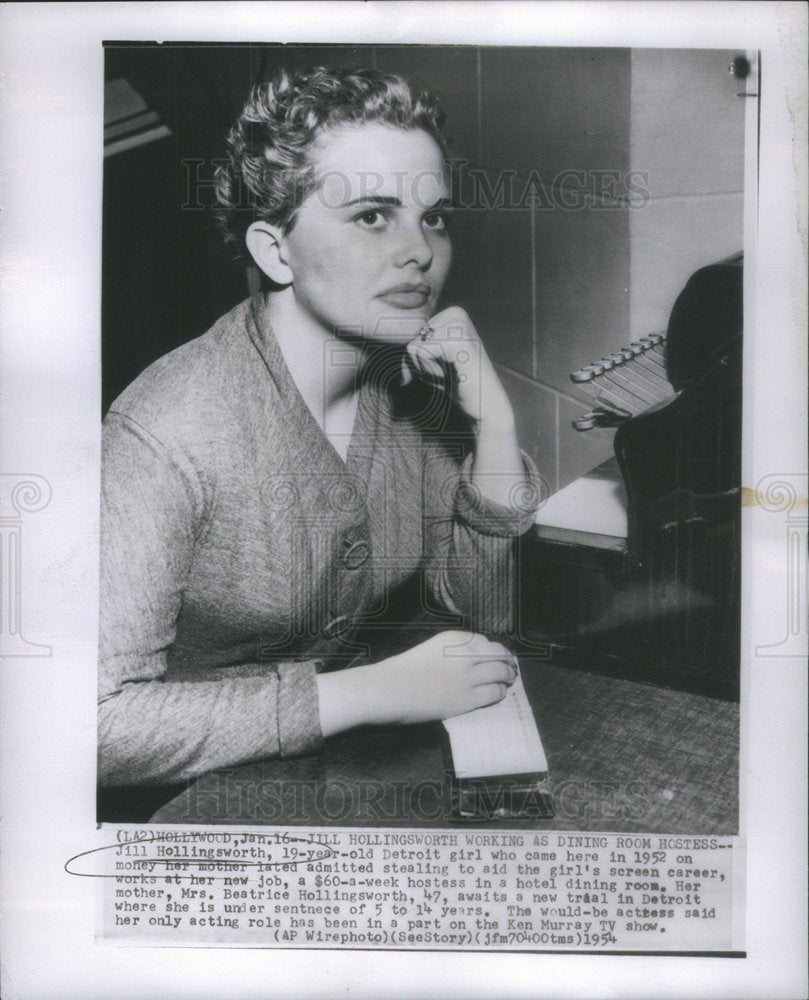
x=592, y=505
x=622, y=756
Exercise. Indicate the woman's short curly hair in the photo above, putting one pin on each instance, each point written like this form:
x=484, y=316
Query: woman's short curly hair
x=270, y=169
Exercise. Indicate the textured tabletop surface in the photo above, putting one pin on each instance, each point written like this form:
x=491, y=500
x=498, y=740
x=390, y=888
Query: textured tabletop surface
x=622, y=756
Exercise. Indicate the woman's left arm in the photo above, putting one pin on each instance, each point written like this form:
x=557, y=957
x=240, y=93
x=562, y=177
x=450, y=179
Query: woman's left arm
x=451, y=350
x=473, y=514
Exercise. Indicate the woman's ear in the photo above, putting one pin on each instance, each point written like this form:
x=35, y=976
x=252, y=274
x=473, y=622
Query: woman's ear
x=266, y=245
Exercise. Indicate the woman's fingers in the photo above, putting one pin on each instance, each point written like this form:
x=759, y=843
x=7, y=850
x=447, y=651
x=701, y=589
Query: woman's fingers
x=493, y=671
x=497, y=650
x=450, y=340
x=469, y=657
x=488, y=694
x=427, y=360
x=452, y=323
x=451, y=673
x=480, y=646
x=438, y=351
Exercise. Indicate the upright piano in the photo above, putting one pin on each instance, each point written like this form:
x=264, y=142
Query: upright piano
x=635, y=568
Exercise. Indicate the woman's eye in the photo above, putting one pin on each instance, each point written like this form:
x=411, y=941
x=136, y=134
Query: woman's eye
x=436, y=220
x=372, y=219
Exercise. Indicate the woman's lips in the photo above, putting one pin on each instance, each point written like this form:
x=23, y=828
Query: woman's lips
x=406, y=296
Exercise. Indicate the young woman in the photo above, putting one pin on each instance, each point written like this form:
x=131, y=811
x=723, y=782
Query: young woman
x=271, y=489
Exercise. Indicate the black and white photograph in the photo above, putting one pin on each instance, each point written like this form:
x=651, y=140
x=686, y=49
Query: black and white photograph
x=505, y=430
x=434, y=571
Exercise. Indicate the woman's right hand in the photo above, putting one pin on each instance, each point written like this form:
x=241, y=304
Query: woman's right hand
x=448, y=674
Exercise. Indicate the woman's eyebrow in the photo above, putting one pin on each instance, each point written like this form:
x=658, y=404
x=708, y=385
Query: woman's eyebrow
x=389, y=201
x=374, y=199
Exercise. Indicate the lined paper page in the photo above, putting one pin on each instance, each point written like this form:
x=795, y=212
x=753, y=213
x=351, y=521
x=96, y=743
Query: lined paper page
x=499, y=739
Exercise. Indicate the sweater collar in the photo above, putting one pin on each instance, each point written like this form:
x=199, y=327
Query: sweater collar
x=370, y=406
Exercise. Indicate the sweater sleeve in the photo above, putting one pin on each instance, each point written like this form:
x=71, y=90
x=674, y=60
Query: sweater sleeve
x=154, y=729
x=469, y=542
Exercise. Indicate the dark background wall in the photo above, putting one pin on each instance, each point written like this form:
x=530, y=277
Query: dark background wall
x=552, y=281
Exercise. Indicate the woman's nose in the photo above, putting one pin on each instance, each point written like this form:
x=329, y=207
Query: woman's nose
x=413, y=247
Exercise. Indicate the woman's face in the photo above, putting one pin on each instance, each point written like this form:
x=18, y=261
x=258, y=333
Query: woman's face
x=370, y=248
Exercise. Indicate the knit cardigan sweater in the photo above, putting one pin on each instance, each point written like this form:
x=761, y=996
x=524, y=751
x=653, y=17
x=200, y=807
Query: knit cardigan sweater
x=240, y=553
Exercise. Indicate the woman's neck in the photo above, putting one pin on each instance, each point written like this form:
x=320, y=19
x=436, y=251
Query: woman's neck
x=326, y=369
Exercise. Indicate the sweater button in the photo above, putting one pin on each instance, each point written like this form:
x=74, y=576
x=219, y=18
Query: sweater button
x=338, y=626
x=356, y=555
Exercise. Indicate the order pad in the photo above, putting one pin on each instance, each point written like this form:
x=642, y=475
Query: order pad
x=499, y=739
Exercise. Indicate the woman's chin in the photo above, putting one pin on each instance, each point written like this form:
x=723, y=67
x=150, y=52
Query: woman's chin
x=397, y=329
